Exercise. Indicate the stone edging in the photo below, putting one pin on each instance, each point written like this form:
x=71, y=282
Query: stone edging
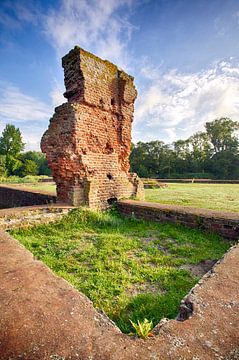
x=225, y=224
x=43, y=317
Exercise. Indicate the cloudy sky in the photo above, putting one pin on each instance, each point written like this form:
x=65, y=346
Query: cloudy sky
x=183, y=54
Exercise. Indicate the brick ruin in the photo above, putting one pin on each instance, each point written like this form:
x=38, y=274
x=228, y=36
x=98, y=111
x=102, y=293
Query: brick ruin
x=88, y=141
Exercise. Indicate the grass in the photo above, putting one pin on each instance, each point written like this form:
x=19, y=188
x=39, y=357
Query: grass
x=223, y=197
x=31, y=179
x=129, y=268
x=30, y=182
x=45, y=187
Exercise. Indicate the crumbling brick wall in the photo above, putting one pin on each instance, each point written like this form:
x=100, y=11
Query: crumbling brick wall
x=88, y=140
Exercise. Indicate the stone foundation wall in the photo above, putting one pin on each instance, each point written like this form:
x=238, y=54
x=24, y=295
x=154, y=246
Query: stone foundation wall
x=43, y=317
x=225, y=224
x=31, y=216
x=11, y=197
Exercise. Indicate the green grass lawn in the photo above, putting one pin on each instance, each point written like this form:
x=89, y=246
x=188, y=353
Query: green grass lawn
x=224, y=197
x=46, y=187
x=128, y=268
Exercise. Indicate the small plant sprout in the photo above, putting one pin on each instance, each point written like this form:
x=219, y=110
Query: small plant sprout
x=143, y=328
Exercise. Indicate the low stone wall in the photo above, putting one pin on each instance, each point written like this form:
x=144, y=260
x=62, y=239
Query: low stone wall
x=43, y=317
x=225, y=224
x=12, y=197
x=31, y=215
x=201, y=181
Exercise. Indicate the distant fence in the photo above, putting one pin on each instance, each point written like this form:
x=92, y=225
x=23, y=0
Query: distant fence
x=202, y=181
x=49, y=179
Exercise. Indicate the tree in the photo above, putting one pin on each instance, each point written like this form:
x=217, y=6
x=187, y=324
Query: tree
x=222, y=134
x=11, y=145
x=182, y=154
x=215, y=151
x=3, y=169
x=11, y=141
x=200, y=150
x=151, y=159
x=13, y=165
x=225, y=165
x=40, y=159
x=29, y=167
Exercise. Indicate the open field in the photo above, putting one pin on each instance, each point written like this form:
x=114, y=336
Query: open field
x=131, y=269
x=223, y=197
x=45, y=187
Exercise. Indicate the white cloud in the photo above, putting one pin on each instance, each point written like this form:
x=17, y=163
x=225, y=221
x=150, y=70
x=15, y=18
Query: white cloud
x=17, y=106
x=175, y=105
x=94, y=25
x=57, y=95
x=28, y=113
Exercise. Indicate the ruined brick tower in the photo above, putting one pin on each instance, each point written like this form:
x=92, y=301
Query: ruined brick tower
x=87, y=144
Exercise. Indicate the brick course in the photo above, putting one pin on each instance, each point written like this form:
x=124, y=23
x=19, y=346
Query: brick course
x=88, y=140
x=225, y=224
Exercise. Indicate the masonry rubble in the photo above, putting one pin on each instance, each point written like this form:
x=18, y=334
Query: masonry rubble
x=88, y=141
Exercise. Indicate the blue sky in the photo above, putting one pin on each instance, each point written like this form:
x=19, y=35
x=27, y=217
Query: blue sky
x=184, y=55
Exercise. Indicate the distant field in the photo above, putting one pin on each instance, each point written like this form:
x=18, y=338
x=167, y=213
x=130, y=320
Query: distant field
x=46, y=187
x=224, y=197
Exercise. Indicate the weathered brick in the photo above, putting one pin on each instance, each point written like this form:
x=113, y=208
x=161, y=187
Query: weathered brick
x=88, y=140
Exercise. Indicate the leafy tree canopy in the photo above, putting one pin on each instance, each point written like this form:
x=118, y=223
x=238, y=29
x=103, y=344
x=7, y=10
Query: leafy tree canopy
x=214, y=153
x=11, y=141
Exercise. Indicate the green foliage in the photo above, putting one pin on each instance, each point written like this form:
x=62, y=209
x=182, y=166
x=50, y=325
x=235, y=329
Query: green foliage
x=151, y=159
x=11, y=143
x=29, y=179
x=214, y=152
x=221, y=133
x=3, y=169
x=142, y=328
x=128, y=268
x=29, y=167
x=13, y=165
x=39, y=159
x=16, y=162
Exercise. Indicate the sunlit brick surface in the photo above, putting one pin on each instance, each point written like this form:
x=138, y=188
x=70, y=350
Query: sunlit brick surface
x=88, y=140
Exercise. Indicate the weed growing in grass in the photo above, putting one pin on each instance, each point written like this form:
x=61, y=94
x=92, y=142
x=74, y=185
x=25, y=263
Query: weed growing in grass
x=129, y=268
x=143, y=328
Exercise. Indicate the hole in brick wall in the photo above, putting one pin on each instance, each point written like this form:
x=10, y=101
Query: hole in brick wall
x=112, y=101
x=108, y=148
x=112, y=200
x=109, y=176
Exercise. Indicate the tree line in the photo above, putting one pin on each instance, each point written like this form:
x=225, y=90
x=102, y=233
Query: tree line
x=13, y=161
x=213, y=153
